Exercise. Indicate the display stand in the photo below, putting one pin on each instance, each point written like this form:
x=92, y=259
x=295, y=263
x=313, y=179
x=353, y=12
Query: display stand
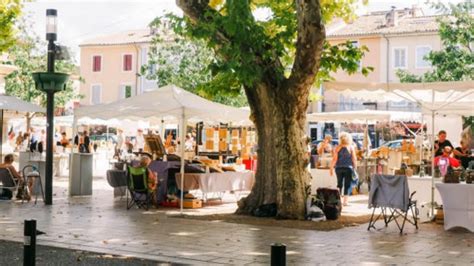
x=80, y=174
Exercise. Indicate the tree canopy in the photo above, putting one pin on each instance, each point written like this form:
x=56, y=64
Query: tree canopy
x=275, y=59
x=188, y=59
x=10, y=10
x=455, y=61
x=29, y=55
x=184, y=63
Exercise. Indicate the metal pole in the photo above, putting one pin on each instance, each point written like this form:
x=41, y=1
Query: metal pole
x=1, y=135
x=49, y=149
x=278, y=254
x=182, y=133
x=51, y=52
x=432, y=160
x=49, y=130
x=29, y=245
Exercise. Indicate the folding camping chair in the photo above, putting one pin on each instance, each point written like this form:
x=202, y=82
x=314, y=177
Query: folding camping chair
x=118, y=180
x=391, y=194
x=35, y=176
x=7, y=181
x=137, y=182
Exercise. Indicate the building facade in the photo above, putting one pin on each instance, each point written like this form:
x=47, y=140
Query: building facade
x=111, y=66
x=396, y=39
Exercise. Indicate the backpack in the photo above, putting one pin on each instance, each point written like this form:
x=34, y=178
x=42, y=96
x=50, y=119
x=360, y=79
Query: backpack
x=266, y=210
x=331, y=198
x=5, y=194
x=314, y=210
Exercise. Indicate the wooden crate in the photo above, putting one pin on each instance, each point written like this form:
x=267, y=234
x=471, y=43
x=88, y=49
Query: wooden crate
x=192, y=203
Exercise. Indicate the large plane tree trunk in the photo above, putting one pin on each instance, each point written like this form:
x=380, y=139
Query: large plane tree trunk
x=282, y=177
x=278, y=103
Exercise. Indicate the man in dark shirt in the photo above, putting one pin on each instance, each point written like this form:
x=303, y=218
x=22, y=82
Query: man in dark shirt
x=463, y=154
x=441, y=143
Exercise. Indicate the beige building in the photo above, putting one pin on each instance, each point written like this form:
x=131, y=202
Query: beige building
x=110, y=66
x=396, y=39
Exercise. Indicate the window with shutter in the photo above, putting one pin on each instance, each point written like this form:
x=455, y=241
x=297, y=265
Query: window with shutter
x=421, y=53
x=125, y=91
x=96, y=94
x=399, y=57
x=357, y=45
x=127, y=62
x=96, y=63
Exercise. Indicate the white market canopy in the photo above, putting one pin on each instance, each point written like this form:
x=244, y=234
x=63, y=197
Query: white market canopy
x=166, y=103
x=455, y=97
x=12, y=103
x=434, y=98
x=364, y=116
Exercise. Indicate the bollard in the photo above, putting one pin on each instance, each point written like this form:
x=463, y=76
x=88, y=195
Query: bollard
x=278, y=254
x=29, y=245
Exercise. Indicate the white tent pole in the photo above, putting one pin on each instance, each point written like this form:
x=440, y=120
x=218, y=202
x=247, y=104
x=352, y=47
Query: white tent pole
x=432, y=160
x=74, y=131
x=162, y=129
x=182, y=132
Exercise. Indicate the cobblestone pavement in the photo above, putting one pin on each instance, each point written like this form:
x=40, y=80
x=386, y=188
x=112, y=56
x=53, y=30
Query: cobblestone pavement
x=102, y=224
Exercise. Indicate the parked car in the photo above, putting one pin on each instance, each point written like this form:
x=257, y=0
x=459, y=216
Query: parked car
x=103, y=137
x=334, y=143
x=394, y=144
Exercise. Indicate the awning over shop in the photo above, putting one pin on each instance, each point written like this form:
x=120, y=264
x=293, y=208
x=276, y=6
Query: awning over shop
x=364, y=116
x=166, y=103
x=456, y=97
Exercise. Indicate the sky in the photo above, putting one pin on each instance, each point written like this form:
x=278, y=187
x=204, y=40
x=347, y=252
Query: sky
x=81, y=20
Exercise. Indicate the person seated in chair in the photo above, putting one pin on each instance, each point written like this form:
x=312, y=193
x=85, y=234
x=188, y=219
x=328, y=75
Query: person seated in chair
x=463, y=154
x=445, y=160
x=8, y=164
x=152, y=178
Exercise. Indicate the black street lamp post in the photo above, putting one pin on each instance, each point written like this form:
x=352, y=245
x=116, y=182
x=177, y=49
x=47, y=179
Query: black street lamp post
x=50, y=83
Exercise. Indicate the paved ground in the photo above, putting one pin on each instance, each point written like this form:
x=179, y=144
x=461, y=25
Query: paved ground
x=102, y=224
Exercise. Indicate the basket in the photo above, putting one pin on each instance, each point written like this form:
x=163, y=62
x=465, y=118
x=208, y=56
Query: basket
x=469, y=176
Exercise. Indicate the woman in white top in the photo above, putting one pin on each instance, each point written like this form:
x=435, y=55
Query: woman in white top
x=140, y=141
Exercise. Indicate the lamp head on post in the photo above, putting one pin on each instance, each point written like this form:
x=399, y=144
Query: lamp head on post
x=51, y=24
x=51, y=82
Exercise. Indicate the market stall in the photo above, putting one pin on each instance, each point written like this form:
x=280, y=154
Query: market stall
x=168, y=103
x=320, y=177
x=433, y=99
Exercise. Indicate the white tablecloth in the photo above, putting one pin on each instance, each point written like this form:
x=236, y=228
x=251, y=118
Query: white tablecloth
x=458, y=205
x=422, y=186
x=217, y=182
x=321, y=178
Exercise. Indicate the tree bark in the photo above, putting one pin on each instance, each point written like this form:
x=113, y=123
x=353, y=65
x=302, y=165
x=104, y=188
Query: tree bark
x=278, y=109
x=282, y=176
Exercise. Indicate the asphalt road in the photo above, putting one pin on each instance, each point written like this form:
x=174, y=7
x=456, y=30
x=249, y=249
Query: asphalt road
x=11, y=253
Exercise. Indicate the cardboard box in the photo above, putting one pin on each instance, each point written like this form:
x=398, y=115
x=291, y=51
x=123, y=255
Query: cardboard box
x=192, y=203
